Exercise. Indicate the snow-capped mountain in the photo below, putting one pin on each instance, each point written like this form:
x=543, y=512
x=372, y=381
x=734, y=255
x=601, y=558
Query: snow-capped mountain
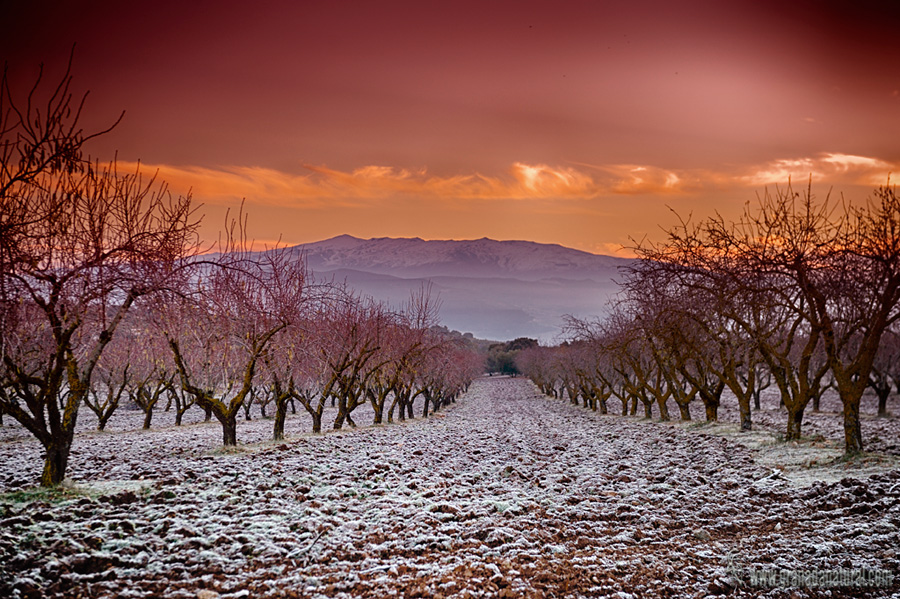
x=494, y=289
x=475, y=258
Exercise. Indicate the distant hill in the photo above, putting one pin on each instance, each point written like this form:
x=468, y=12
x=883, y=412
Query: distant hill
x=415, y=257
x=494, y=289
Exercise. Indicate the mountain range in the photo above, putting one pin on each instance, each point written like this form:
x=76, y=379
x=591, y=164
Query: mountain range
x=493, y=289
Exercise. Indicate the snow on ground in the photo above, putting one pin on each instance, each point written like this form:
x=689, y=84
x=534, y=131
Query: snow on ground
x=506, y=494
x=818, y=456
x=880, y=434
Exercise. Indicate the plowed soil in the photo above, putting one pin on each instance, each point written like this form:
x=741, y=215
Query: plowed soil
x=505, y=494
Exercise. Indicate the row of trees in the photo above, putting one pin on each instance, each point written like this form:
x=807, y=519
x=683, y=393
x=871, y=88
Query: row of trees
x=258, y=332
x=107, y=294
x=501, y=357
x=274, y=338
x=798, y=294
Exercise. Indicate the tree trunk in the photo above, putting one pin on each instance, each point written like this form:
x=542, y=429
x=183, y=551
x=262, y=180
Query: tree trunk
x=379, y=413
x=339, y=420
x=794, y=424
x=229, y=430
x=882, y=392
x=815, y=401
x=179, y=408
x=390, y=416
x=59, y=445
x=148, y=417
x=208, y=416
x=648, y=409
x=853, y=444
x=684, y=408
x=317, y=422
x=744, y=408
x=342, y=412
x=56, y=460
x=280, y=416
x=663, y=410
x=712, y=411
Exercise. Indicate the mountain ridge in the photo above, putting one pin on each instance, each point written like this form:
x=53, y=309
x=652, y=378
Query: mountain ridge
x=480, y=258
x=493, y=289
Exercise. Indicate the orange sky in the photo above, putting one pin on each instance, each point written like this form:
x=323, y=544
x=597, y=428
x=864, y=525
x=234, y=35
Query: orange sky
x=581, y=123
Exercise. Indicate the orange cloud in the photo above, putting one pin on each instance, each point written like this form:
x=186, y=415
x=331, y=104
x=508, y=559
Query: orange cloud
x=638, y=179
x=323, y=187
x=545, y=181
x=257, y=184
x=833, y=168
x=523, y=182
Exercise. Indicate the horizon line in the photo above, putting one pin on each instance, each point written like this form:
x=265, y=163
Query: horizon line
x=485, y=238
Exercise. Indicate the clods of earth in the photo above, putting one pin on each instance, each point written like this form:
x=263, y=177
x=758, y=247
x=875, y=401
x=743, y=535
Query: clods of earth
x=505, y=494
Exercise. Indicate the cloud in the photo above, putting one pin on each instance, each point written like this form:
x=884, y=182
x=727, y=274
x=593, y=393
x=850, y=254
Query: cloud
x=523, y=181
x=634, y=179
x=846, y=162
x=833, y=168
x=545, y=181
x=324, y=187
x=780, y=171
x=227, y=184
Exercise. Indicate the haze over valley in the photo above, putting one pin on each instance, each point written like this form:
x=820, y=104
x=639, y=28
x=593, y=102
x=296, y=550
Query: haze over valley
x=493, y=289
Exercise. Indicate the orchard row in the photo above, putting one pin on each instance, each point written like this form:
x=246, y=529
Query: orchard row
x=107, y=294
x=798, y=294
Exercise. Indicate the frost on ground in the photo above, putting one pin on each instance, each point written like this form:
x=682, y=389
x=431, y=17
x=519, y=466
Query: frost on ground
x=507, y=494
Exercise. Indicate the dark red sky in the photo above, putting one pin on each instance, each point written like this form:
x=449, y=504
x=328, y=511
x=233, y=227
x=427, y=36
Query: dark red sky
x=571, y=122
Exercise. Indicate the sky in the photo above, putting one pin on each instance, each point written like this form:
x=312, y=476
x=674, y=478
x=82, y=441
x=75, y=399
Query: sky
x=590, y=124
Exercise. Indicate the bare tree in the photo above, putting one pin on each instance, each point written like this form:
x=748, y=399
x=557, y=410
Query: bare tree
x=292, y=367
x=80, y=243
x=885, y=369
x=858, y=301
x=810, y=278
x=219, y=334
x=112, y=379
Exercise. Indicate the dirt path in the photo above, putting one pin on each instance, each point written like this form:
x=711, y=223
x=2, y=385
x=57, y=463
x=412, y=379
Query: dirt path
x=508, y=494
